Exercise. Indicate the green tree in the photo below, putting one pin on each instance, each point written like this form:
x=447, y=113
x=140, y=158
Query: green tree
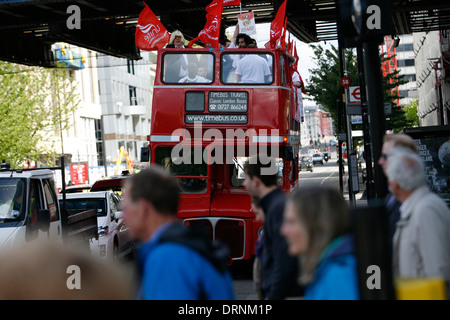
x=396, y=121
x=35, y=104
x=325, y=81
x=411, y=113
x=325, y=88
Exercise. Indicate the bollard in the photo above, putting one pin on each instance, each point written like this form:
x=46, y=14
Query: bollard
x=373, y=252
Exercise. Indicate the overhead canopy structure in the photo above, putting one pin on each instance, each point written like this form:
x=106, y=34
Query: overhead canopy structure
x=28, y=28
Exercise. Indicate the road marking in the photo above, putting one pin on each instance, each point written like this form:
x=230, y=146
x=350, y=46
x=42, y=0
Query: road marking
x=331, y=174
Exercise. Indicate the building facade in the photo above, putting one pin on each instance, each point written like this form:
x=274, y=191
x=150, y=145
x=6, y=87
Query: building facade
x=432, y=61
x=115, y=106
x=125, y=90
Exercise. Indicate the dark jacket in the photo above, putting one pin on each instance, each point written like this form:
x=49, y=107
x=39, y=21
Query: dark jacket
x=393, y=212
x=279, y=269
x=179, y=263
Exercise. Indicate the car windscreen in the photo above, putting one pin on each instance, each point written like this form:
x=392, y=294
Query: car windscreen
x=12, y=199
x=78, y=205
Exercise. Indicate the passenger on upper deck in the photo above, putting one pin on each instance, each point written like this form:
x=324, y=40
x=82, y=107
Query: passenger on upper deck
x=240, y=40
x=224, y=42
x=243, y=41
x=176, y=40
x=193, y=75
x=253, y=68
x=176, y=65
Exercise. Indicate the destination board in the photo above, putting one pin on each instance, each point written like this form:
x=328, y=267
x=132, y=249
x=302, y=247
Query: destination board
x=234, y=101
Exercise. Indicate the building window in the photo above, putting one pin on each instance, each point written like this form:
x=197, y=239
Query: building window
x=405, y=47
x=99, y=142
x=410, y=77
x=133, y=97
x=405, y=63
x=130, y=66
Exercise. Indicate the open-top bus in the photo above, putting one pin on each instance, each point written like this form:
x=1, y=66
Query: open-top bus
x=208, y=117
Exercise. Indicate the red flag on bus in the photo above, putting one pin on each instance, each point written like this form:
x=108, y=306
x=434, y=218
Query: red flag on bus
x=225, y=3
x=150, y=32
x=211, y=31
x=276, y=27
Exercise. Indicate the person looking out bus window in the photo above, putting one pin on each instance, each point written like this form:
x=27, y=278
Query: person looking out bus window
x=193, y=75
x=176, y=65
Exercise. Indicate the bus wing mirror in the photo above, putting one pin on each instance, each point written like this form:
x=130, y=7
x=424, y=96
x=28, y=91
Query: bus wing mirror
x=289, y=153
x=145, y=154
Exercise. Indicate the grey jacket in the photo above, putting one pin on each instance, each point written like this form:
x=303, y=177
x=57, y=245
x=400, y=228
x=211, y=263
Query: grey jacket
x=422, y=237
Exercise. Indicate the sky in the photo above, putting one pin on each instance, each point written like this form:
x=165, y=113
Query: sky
x=304, y=51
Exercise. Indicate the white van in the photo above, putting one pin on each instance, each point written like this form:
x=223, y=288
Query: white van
x=29, y=206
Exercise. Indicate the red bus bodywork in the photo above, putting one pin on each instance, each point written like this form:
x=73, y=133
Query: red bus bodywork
x=211, y=195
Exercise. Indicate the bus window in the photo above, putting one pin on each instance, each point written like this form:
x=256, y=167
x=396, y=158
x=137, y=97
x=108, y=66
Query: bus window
x=255, y=68
x=195, y=173
x=283, y=73
x=188, y=68
x=237, y=171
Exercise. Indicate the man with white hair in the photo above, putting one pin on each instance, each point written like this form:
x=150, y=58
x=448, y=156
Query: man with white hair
x=422, y=237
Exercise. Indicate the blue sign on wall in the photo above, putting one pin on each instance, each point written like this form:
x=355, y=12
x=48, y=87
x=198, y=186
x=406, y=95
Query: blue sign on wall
x=12, y=1
x=72, y=59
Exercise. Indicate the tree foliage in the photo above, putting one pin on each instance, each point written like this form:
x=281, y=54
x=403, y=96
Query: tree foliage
x=325, y=88
x=35, y=104
x=324, y=84
x=396, y=121
x=411, y=113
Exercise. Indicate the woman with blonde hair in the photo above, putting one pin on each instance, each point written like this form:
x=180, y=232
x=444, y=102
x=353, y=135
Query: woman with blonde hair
x=317, y=228
x=176, y=40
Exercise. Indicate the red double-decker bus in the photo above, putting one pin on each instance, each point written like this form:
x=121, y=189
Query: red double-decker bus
x=212, y=109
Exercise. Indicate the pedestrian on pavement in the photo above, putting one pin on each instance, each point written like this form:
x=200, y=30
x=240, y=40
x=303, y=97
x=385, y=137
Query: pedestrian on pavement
x=279, y=270
x=257, y=262
x=392, y=204
x=422, y=237
x=175, y=261
x=317, y=228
